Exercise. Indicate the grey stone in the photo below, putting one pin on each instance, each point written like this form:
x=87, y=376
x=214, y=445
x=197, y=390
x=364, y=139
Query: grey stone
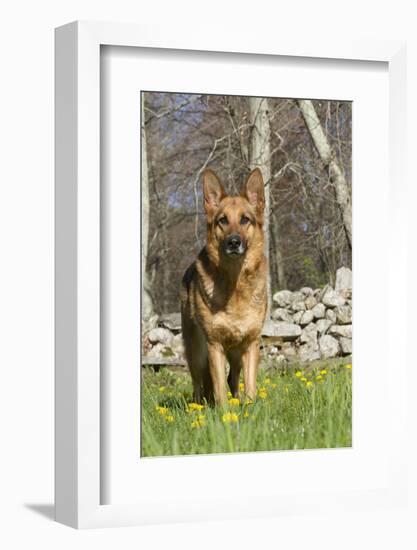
x=309, y=335
x=297, y=316
x=344, y=314
x=172, y=321
x=346, y=293
x=298, y=296
x=341, y=330
x=329, y=346
x=282, y=314
x=178, y=345
x=156, y=350
x=283, y=298
x=281, y=329
x=346, y=345
x=160, y=335
x=268, y=329
x=308, y=353
x=149, y=324
x=306, y=318
x=311, y=327
x=299, y=305
x=343, y=279
x=323, y=325
x=310, y=302
x=177, y=338
x=331, y=298
x=161, y=351
x=319, y=311
x=331, y=316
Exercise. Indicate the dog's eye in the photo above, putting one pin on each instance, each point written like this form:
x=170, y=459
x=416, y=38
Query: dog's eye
x=244, y=220
x=223, y=220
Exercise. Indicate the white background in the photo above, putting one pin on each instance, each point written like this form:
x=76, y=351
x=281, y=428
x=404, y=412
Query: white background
x=26, y=275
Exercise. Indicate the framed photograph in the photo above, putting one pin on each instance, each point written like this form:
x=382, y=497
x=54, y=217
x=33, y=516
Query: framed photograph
x=222, y=209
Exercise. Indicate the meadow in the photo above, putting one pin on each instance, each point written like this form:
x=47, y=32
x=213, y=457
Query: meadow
x=295, y=408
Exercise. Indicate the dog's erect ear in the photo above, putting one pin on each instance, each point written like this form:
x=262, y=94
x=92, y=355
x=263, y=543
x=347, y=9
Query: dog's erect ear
x=213, y=191
x=253, y=190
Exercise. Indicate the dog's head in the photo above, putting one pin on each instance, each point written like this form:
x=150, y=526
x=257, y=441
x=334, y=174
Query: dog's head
x=234, y=222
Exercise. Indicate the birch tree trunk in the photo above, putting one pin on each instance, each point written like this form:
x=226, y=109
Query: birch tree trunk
x=260, y=157
x=277, y=255
x=327, y=157
x=147, y=305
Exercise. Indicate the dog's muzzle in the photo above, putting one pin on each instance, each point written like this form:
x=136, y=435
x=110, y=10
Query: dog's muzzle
x=234, y=246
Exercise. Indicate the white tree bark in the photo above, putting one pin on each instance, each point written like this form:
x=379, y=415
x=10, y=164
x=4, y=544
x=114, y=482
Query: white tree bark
x=325, y=152
x=260, y=157
x=147, y=305
x=277, y=255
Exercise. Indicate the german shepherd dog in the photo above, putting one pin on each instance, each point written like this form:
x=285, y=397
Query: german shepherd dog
x=223, y=292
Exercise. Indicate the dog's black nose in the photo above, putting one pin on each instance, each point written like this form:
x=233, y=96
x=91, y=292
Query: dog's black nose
x=234, y=242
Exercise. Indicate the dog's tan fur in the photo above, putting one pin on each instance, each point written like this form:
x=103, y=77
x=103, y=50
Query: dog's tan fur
x=223, y=299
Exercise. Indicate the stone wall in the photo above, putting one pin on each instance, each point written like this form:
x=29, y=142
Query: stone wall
x=306, y=325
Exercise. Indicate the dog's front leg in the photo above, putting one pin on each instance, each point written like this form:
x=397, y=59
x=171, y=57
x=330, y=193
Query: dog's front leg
x=250, y=361
x=217, y=365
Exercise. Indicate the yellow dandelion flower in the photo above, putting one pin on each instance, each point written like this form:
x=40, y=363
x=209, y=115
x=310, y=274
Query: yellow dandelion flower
x=229, y=394
x=323, y=372
x=267, y=381
x=162, y=410
x=230, y=417
x=348, y=366
x=162, y=389
x=241, y=386
x=298, y=374
x=262, y=393
x=319, y=377
x=303, y=379
x=194, y=407
x=199, y=422
x=234, y=402
x=246, y=414
x=309, y=384
x=169, y=418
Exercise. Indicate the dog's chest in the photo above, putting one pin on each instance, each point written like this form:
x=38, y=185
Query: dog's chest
x=232, y=314
x=232, y=328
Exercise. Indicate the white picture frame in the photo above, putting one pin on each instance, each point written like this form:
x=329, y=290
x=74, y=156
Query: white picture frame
x=77, y=67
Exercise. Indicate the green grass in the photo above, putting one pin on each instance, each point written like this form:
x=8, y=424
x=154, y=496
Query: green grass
x=296, y=412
